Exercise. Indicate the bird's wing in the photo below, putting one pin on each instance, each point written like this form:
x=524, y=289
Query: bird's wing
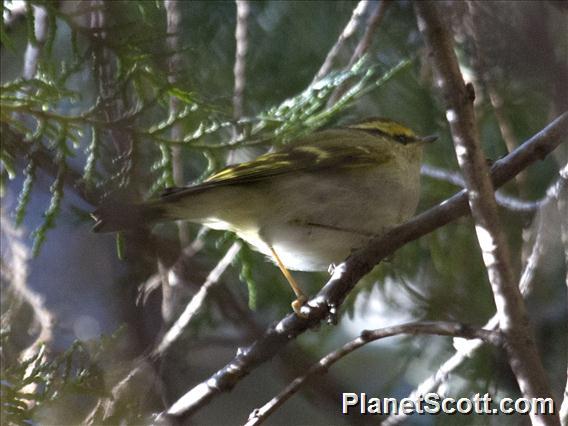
x=297, y=158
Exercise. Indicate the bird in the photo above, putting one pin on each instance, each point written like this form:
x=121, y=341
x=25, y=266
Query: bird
x=305, y=206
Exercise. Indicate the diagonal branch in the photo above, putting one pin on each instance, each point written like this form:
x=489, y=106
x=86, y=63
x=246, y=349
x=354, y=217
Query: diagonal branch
x=505, y=200
x=513, y=319
x=348, y=31
x=367, y=39
x=440, y=328
x=346, y=275
x=526, y=283
x=196, y=302
x=362, y=47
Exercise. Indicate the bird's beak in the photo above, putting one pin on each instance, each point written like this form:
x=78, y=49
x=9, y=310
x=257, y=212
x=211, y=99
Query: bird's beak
x=429, y=139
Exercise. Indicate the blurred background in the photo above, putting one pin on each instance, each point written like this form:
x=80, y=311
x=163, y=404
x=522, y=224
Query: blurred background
x=119, y=100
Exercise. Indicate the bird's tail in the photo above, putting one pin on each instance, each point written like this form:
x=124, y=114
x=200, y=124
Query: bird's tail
x=113, y=217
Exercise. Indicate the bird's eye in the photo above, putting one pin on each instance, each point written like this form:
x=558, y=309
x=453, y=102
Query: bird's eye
x=403, y=139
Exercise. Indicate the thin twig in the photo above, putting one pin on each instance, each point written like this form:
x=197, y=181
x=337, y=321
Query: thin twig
x=105, y=76
x=239, y=70
x=513, y=320
x=322, y=393
x=143, y=364
x=476, y=12
x=372, y=24
x=507, y=134
x=543, y=221
x=346, y=275
x=259, y=415
x=347, y=32
x=197, y=301
x=363, y=45
x=504, y=200
x=105, y=407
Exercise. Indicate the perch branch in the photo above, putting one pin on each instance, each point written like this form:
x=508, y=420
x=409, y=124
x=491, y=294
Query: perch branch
x=347, y=274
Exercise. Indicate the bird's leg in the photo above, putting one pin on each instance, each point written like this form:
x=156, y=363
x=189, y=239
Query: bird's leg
x=300, y=296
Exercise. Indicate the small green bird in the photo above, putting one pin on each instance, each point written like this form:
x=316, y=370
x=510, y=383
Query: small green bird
x=306, y=206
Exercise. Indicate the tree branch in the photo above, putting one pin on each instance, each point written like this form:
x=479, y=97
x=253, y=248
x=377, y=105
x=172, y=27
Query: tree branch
x=346, y=275
x=513, y=319
x=509, y=202
x=362, y=47
x=239, y=70
x=196, y=301
x=372, y=24
x=467, y=351
x=259, y=415
x=348, y=31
